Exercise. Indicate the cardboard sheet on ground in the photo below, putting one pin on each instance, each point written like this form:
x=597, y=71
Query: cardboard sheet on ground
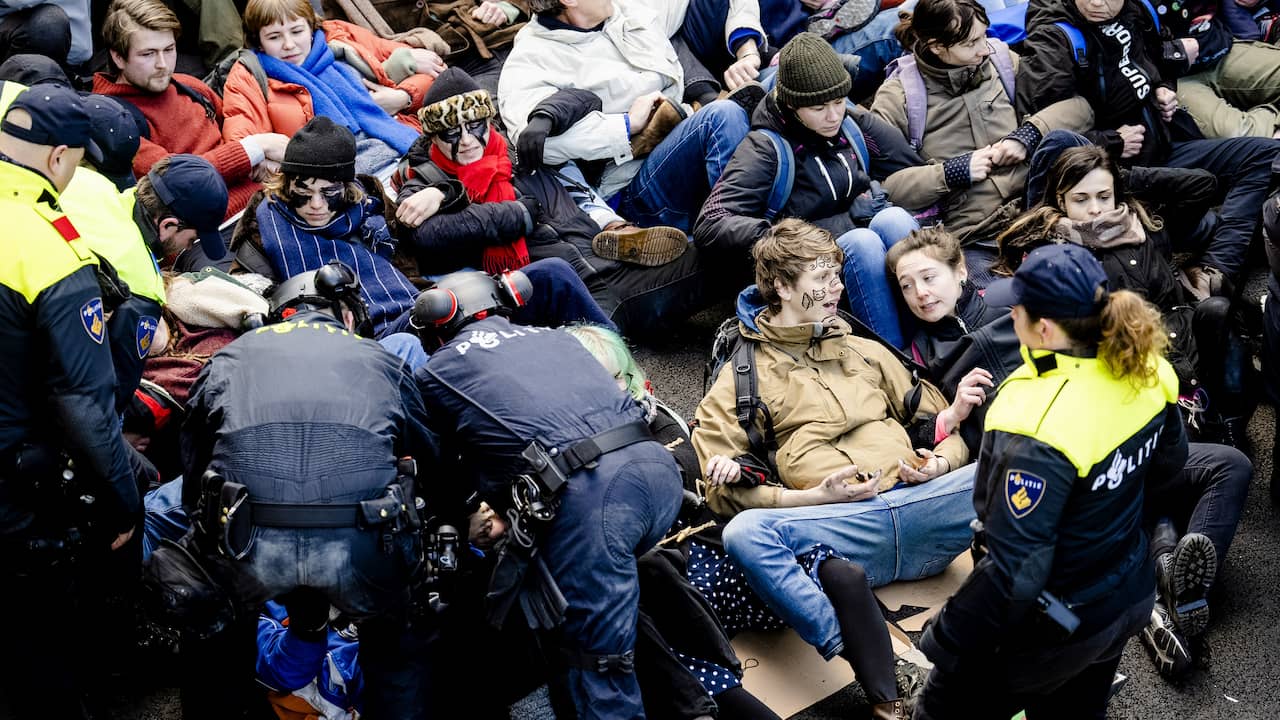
x=788, y=675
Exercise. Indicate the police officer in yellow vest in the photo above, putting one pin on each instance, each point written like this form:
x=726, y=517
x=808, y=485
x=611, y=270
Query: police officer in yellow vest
x=56, y=399
x=1071, y=439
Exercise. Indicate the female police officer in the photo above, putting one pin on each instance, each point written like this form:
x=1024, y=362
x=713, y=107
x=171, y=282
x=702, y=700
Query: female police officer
x=1071, y=439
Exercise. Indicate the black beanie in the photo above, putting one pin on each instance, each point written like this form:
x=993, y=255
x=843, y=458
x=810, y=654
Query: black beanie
x=454, y=98
x=321, y=149
x=809, y=73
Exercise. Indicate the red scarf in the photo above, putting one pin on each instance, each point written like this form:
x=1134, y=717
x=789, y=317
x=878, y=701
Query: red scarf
x=489, y=180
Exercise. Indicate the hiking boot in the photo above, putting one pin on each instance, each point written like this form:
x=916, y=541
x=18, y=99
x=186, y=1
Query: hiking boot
x=910, y=679
x=1183, y=579
x=838, y=18
x=1167, y=647
x=892, y=710
x=747, y=96
x=666, y=116
x=1204, y=282
x=650, y=247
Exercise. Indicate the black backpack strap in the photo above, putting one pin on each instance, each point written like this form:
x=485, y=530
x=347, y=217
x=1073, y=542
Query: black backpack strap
x=197, y=97
x=763, y=447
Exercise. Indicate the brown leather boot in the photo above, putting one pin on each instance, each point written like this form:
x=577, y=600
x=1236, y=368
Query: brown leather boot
x=650, y=247
x=892, y=710
x=666, y=116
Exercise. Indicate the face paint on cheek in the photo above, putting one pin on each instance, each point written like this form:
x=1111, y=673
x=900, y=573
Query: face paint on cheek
x=819, y=295
x=806, y=301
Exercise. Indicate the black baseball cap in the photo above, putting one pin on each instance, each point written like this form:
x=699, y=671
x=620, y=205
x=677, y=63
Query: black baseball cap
x=58, y=117
x=1054, y=281
x=115, y=139
x=197, y=194
x=31, y=69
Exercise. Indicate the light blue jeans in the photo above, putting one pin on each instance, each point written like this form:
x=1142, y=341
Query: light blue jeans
x=907, y=533
x=866, y=280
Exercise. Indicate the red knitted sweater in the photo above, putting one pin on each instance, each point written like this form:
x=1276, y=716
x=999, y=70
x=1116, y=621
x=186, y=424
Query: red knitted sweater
x=179, y=124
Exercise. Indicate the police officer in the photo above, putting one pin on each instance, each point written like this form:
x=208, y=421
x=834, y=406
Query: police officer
x=60, y=444
x=565, y=460
x=293, y=477
x=1070, y=440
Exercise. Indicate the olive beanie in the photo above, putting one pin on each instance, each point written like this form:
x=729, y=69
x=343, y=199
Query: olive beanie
x=809, y=73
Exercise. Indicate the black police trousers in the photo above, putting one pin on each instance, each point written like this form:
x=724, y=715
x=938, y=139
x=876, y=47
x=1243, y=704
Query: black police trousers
x=1054, y=680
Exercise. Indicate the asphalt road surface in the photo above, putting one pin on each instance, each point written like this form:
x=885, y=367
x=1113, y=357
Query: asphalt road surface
x=1239, y=682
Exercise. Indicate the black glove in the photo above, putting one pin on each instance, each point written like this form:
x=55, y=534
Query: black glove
x=533, y=206
x=308, y=613
x=932, y=646
x=532, y=140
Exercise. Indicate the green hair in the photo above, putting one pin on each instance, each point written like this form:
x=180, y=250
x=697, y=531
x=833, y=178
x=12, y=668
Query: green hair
x=611, y=350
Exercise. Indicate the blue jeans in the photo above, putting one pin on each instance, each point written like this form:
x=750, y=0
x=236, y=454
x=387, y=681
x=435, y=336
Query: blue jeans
x=866, y=280
x=407, y=347
x=875, y=47
x=559, y=298
x=676, y=178
x=907, y=533
x=608, y=517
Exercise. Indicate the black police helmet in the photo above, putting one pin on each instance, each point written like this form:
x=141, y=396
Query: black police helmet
x=330, y=289
x=461, y=297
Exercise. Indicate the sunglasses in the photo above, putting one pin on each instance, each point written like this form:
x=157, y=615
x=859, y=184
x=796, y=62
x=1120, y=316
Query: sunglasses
x=334, y=196
x=477, y=128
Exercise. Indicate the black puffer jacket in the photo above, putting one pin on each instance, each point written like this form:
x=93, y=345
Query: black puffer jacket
x=828, y=177
x=1118, y=74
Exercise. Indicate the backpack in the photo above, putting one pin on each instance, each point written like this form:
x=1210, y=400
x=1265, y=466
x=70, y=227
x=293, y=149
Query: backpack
x=729, y=346
x=194, y=95
x=1079, y=50
x=785, y=175
x=908, y=73
x=217, y=78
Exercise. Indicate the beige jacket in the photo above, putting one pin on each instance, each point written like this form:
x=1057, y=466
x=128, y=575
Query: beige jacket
x=836, y=400
x=966, y=111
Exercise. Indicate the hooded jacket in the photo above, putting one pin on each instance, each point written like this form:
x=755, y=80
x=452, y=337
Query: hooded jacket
x=828, y=177
x=967, y=110
x=836, y=399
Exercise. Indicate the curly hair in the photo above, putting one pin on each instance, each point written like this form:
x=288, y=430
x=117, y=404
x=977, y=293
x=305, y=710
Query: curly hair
x=785, y=250
x=1128, y=333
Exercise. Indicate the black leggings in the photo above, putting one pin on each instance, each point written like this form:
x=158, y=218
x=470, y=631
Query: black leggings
x=866, y=641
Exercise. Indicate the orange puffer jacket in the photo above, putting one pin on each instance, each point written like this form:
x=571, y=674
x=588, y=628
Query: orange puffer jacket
x=287, y=106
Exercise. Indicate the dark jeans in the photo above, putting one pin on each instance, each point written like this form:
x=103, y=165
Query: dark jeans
x=41, y=30
x=651, y=300
x=559, y=298
x=1053, y=680
x=1207, y=496
x=1243, y=167
x=704, y=33
x=608, y=516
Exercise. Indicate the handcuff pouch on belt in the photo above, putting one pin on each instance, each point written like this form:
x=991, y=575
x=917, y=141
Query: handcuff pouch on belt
x=1053, y=608
x=229, y=514
x=535, y=500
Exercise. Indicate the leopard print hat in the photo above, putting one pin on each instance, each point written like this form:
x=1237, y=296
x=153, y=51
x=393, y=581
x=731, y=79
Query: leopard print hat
x=453, y=99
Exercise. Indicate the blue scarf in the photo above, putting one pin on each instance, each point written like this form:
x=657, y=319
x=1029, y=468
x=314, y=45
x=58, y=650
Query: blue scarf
x=357, y=236
x=338, y=94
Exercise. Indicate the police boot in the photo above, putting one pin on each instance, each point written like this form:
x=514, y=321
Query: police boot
x=892, y=710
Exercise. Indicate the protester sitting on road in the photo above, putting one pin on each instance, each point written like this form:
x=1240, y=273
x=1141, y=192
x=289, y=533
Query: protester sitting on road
x=853, y=482
x=975, y=138
x=181, y=113
x=833, y=187
x=1138, y=119
x=316, y=211
x=465, y=209
x=621, y=52
x=369, y=85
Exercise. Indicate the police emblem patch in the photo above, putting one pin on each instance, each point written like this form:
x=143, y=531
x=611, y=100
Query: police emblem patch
x=1022, y=491
x=146, y=335
x=92, y=319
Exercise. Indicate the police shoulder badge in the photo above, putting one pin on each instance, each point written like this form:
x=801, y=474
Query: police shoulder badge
x=1022, y=492
x=92, y=318
x=146, y=334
